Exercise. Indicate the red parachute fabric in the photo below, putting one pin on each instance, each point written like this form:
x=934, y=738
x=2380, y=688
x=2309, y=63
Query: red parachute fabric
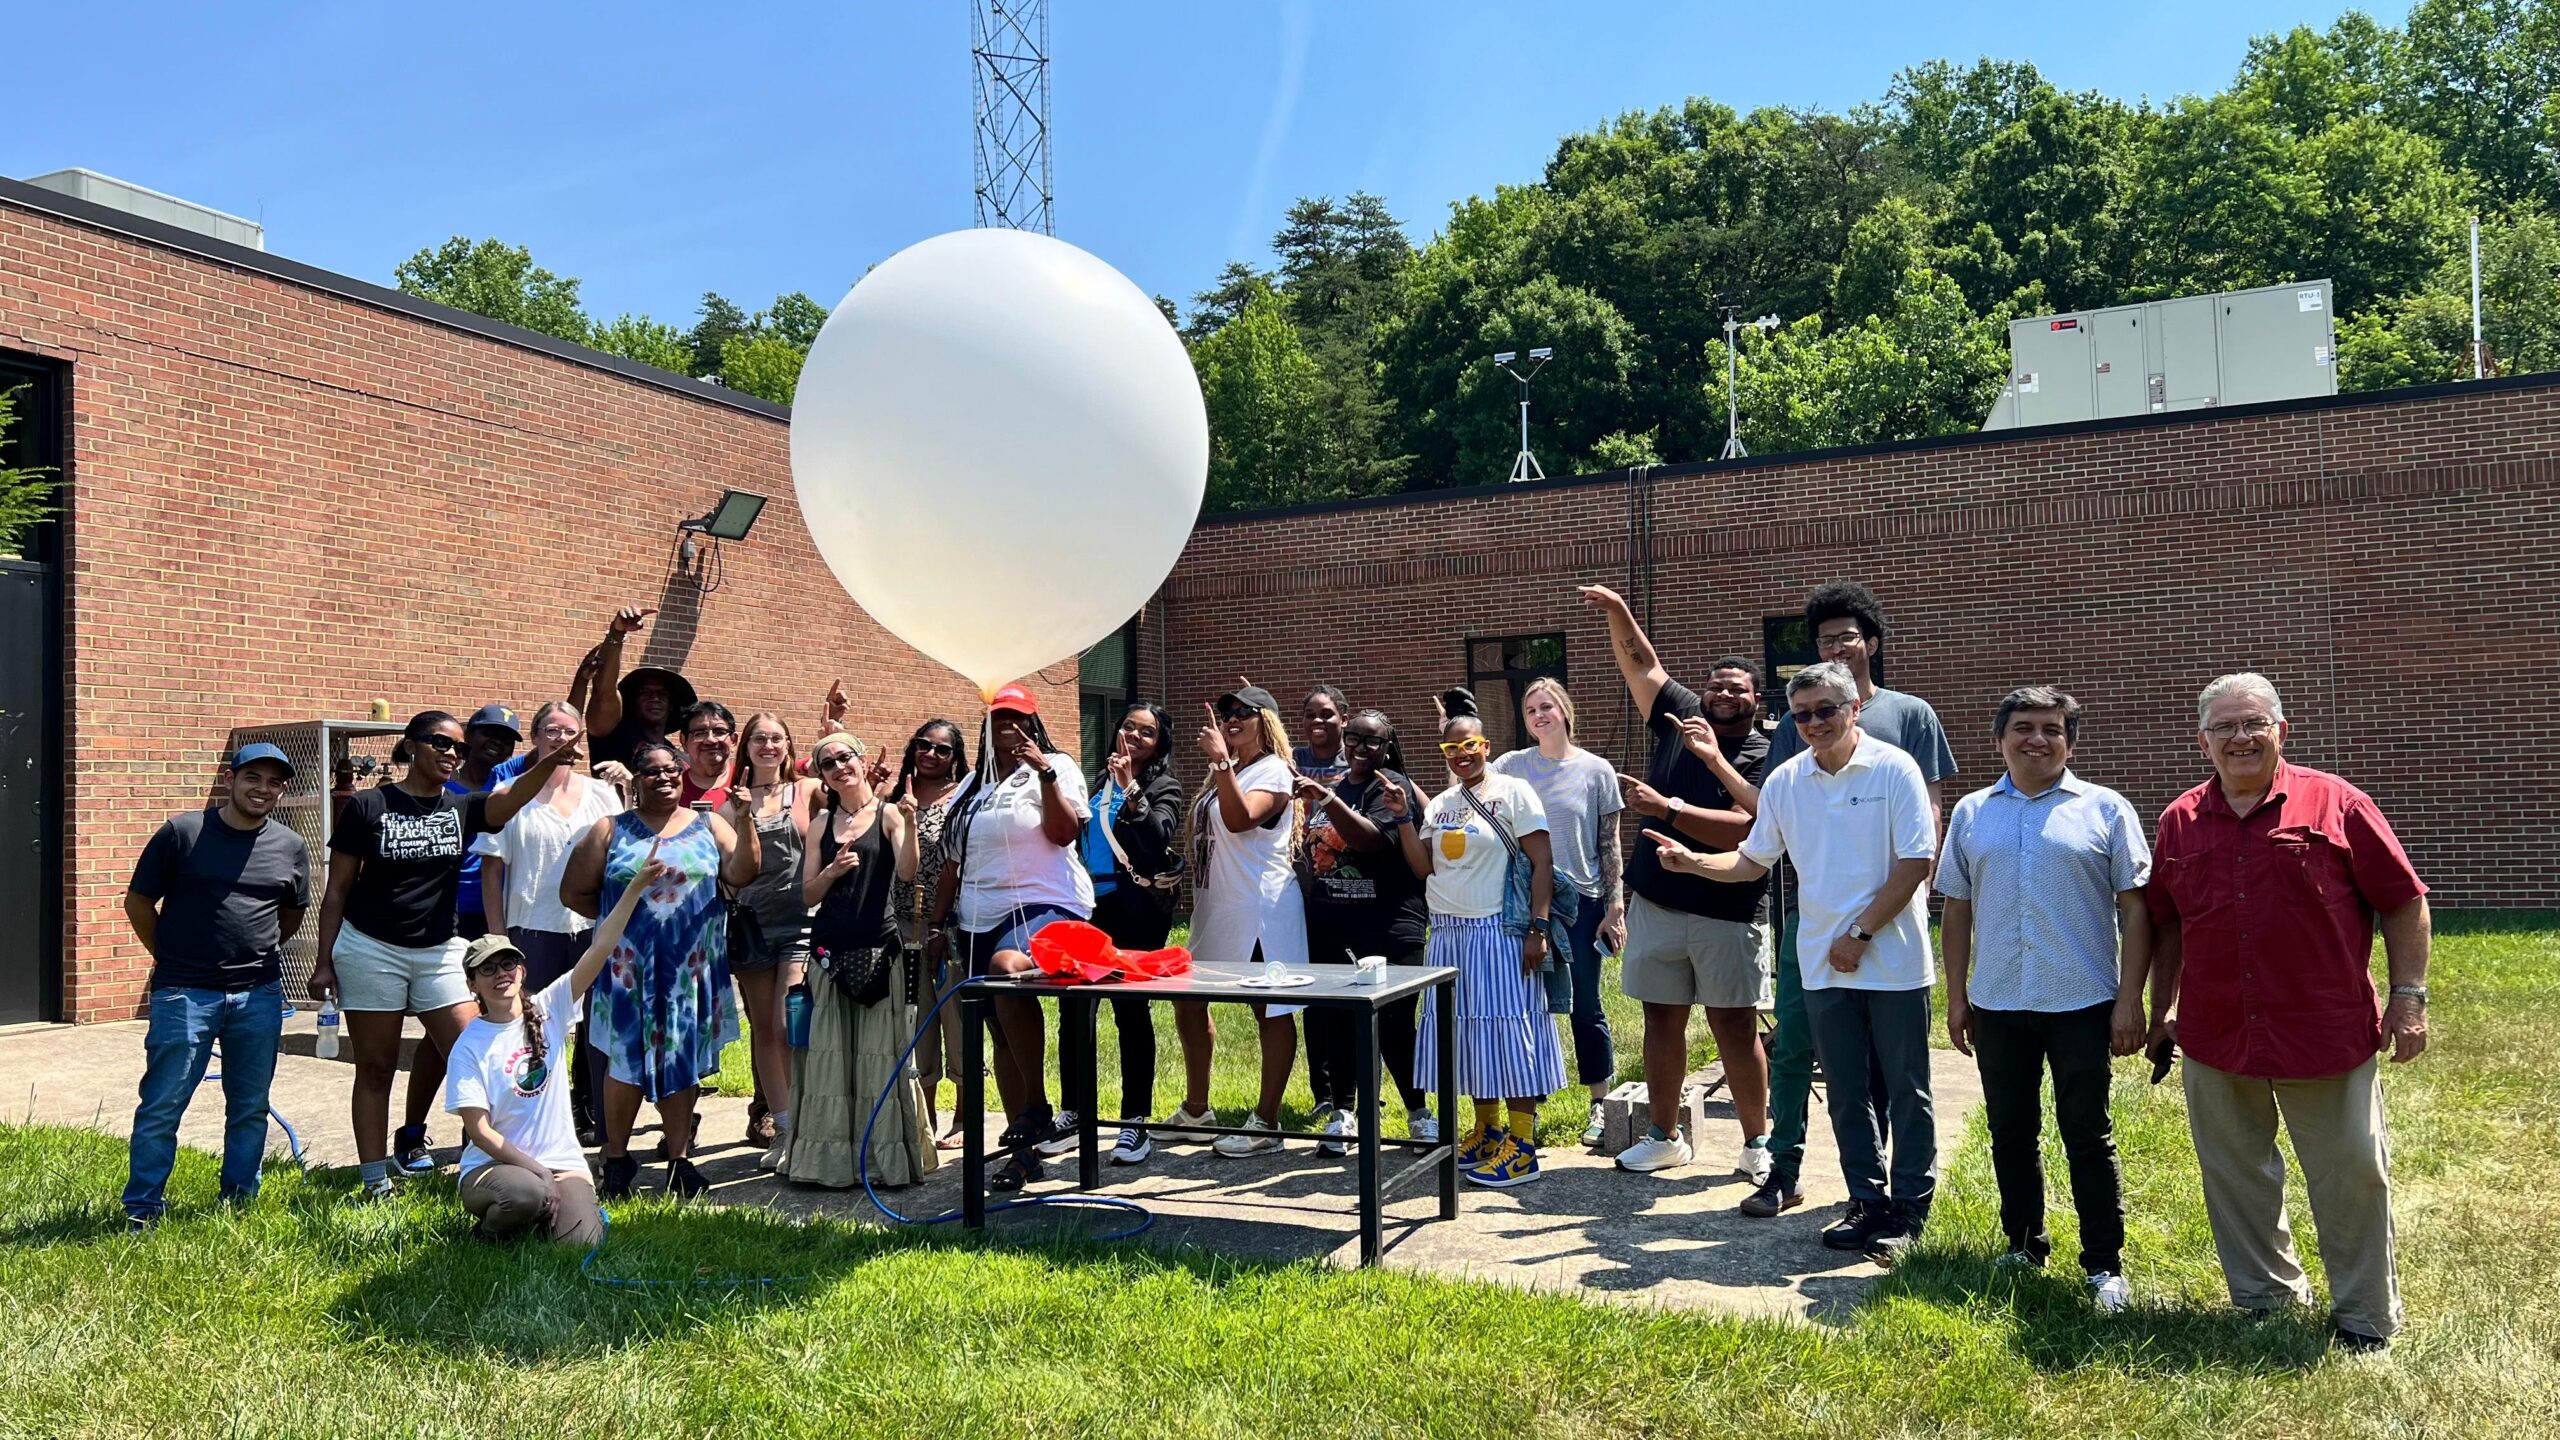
x=1072, y=952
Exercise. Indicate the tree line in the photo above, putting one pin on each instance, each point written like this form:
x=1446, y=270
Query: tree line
x=1894, y=243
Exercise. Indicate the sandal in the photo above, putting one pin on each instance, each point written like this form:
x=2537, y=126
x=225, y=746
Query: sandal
x=1016, y=1173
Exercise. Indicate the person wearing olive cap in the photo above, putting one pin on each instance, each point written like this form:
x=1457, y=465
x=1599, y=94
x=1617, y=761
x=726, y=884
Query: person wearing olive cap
x=522, y=1165
x=214, y=897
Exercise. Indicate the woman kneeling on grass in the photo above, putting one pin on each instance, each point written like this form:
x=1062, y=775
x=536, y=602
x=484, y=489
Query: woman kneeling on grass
x=1506, y=1045
x=521, y=1162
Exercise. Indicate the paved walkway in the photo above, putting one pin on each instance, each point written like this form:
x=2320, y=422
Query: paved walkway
x=1670, y=1239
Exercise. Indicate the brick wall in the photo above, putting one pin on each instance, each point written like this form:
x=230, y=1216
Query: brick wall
x=285, y=504
x=2393, y=564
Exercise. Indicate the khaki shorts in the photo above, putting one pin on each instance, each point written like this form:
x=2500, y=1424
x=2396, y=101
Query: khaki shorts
x=1674, y=958
x=390, y=979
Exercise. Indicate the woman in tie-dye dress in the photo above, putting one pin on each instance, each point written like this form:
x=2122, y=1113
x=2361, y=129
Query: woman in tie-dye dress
x=663, y=1007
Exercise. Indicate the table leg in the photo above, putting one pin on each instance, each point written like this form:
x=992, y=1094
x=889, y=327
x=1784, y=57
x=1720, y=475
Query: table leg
x=1077, y=1067
x=1372, y=1223
x=973, y=1109
x=1444, y=1030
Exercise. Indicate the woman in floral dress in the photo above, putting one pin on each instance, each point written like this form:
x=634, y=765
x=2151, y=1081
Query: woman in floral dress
x=664, y=1005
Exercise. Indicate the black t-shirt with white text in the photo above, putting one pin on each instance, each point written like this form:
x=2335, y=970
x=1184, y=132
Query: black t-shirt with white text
x=1366, y=899
x=1674, y=771
x=412, y=848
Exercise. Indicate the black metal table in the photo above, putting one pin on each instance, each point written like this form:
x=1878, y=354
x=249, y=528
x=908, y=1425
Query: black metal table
x=1333, y=986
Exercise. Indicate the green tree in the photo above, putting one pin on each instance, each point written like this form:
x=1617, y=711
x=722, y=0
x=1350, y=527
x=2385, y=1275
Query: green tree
x=1239, y=285
x=1268, y=444
x=637, y=337
x=2482, y=78
x=2040, y=206
x=715, y=321
x=1930, y=367
x=498, y=280
x=763, y=365
x=2425, y=337
x=26, y=491
x=1937, y=115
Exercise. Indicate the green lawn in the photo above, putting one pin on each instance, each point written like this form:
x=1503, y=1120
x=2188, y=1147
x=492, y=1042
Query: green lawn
x=307, y=1315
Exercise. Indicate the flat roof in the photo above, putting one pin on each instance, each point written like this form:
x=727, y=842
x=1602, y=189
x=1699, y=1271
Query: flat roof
x=21, y=195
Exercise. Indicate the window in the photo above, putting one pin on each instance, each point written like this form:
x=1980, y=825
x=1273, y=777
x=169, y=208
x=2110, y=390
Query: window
x=1499, y=671
x=1105, y=675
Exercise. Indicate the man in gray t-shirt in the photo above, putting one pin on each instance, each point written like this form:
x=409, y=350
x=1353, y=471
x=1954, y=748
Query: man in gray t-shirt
x=1848, y=627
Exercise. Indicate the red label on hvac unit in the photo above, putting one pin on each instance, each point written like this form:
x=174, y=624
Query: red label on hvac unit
x=2062, y=325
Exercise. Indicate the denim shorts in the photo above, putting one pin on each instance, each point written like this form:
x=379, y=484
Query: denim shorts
x=1015, y=934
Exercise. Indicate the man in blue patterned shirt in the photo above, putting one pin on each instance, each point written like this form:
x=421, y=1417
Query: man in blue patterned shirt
x=2043, y=875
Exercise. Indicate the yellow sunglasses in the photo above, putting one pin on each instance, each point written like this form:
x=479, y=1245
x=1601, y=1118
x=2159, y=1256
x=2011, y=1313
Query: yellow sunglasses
x=1473, y=744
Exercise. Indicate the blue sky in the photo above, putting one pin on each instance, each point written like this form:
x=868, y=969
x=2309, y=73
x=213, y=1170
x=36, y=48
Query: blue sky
x=659, y=151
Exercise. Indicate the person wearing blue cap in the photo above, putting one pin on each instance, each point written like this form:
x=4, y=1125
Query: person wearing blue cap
x=214, y=897
x=489, y=739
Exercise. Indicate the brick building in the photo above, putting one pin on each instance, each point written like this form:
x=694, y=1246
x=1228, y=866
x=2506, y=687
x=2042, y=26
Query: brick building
x=291, y=494
x=2392, y=561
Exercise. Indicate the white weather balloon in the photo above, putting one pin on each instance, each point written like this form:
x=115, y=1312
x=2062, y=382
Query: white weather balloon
x=999, y=446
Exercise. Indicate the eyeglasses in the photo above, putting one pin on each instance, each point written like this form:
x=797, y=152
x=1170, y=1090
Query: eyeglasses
x=933, y=747
x=715, y=733
x=2249, y=729
x=1472, y=745
x=1838, y=639
x=441, y=744
x=1818, y=715
x=1358, y=741
x=836, y=759
x=658, y=772
x=492, y=967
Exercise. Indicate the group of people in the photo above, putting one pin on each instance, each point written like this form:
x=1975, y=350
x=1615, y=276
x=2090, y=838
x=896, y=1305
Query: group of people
x=1771, y=872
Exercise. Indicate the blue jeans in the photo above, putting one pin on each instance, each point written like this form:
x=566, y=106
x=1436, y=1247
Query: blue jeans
x=1573, y=989
x=184, y=1026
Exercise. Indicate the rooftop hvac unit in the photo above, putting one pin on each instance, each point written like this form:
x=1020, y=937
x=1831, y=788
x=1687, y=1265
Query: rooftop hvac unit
x=133, y=199
x=2198, y=351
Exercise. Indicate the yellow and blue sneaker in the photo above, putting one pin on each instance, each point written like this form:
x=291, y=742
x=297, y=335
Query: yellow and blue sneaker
x=1476, y=1146
x=1513, y=1161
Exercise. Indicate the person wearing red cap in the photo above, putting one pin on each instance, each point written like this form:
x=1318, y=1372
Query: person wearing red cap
x=1012, y=866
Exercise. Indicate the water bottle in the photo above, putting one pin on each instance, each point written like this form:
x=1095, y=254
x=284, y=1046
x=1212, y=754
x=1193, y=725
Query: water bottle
x=795, y=1006
x=327, y=1046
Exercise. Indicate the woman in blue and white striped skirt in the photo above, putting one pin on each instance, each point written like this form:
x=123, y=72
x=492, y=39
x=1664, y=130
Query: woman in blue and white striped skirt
x=1507, y=1050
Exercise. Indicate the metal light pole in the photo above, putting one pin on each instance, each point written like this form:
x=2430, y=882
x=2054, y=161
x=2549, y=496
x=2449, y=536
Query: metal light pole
x=1526, y=467
x=2476, y=366
x=1733, y=448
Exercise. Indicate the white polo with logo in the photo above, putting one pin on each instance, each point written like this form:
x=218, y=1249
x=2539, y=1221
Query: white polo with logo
x=1843, y=833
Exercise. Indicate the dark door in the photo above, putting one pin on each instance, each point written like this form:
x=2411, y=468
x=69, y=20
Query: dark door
x=31, y=728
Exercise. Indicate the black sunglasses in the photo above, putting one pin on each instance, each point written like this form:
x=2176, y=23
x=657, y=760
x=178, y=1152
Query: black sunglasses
x=441, y=744
x=1235, y=714
x=1818, y=713
x=934, y=747
x=834, y=758
x=1358, y=741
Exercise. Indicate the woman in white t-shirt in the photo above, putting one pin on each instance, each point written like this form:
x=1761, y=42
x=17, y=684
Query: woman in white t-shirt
x=1506, y=1046
x=1580, y=793
x=520, y=870
x=1011, y=866
x=522, y=1165
x=1245, y=902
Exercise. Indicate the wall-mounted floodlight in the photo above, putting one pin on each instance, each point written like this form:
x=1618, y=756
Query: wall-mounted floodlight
x=731, y=519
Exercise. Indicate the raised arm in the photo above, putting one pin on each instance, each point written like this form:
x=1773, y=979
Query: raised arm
x=608, y=932
x=1637, y=662
x=502, y=804
x=607, y=714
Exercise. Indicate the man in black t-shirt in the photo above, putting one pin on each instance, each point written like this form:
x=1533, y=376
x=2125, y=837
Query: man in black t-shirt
x=1690, y=941
x=214, y=897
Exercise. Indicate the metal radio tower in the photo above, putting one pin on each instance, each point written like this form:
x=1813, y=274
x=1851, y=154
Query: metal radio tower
x=1009, y=97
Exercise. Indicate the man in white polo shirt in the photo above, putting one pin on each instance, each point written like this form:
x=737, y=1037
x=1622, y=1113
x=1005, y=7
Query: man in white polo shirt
x=1852, y=815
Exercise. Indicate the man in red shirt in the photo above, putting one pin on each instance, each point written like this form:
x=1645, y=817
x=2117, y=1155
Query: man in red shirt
x=2263, y=897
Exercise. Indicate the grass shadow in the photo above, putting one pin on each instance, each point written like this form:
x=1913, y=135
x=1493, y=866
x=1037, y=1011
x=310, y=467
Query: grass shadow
x=2050, y=1323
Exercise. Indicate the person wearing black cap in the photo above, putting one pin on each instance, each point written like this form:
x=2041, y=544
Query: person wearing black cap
x=214, y=897
x=489, y=740
x=1246, y=907
x=627, y=709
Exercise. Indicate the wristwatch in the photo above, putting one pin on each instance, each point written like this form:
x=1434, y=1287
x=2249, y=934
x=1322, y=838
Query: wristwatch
x=1672, y=805
x=1860, y=933
x=1048, y=775
x=2411, y=992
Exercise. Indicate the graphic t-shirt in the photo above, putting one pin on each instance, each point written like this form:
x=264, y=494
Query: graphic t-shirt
x=1674, y=771
x=1365, y=899
x=221, y=894
x=412, y=848
x=1469, y=863
x=493, y=1068
x=1008, y=862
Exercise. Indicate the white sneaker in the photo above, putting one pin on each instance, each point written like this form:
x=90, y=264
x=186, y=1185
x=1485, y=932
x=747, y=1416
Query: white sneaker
x=1132, y=1147
x=2109, y=1292
x=776, y=1154
x=1339, y=1128
x=1657, y=1151
x=1755, y=1164
x=1236, y=1147
x=1176, y=1127
x=1597, y=1132
x=1422, y=1125
x=1062, y=1136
